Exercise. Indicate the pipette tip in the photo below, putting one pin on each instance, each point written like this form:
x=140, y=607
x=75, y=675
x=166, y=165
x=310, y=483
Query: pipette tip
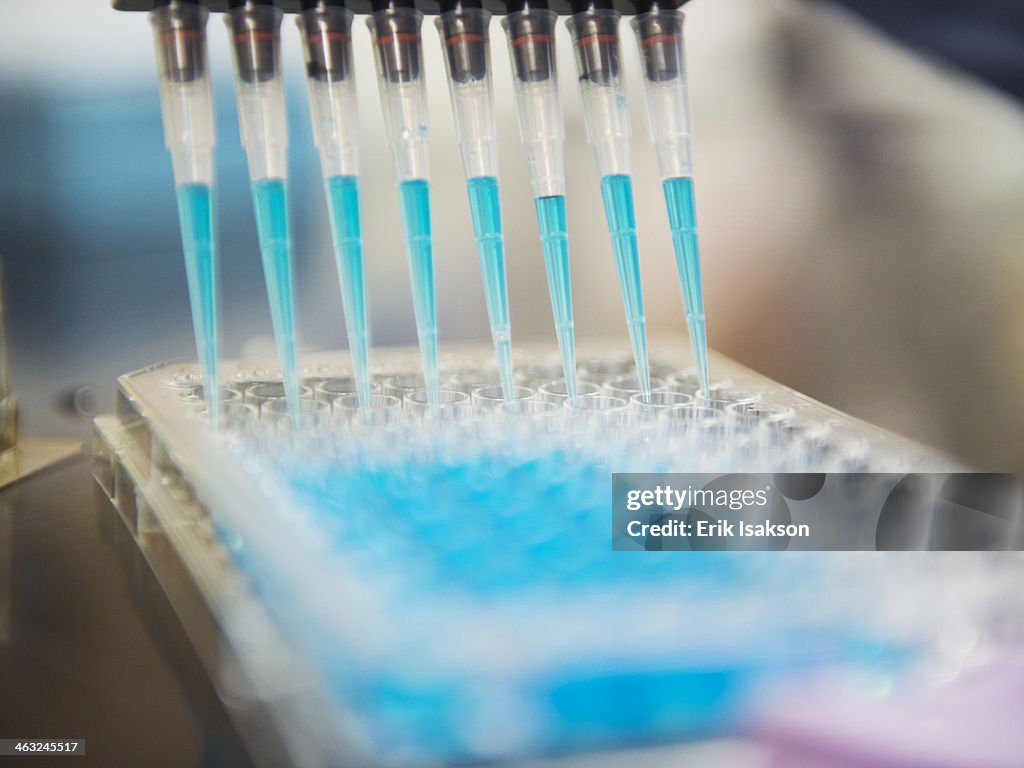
x=195, y=211
x=699, y=343
x=271, y=205
x=343, y=207
x=638, y=341
x=617, y=193
x=415, y=197
x=485, y=207
x=555, y=244
x=683, y=223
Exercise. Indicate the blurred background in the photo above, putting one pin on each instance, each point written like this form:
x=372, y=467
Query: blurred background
x=861, y=207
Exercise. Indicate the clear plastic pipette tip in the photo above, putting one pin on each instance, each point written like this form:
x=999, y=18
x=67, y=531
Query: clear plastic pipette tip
x=343, y=207
x=485, y=207
x=465, y=44
x=683, y=223
x=617, y=192
x=555, y=243
x=327, y=48
x=270, y=202
x=531, y=36
x=415, y=196
x=398, y=55
x=195, y=211
x=254, y=31
x=595, y=36
x=659, y=34
x=187, y=105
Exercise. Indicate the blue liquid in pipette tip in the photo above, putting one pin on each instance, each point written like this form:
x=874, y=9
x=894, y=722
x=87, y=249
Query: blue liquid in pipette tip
x=271, y=205
x=343, y=205
x=682, y=217
x=554, y=239
x=415, y=197
x=490, y=245
x=195, y=212
x=617, y=192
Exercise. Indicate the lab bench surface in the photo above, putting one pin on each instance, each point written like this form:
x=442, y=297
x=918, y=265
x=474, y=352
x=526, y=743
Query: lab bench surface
x=89, y=646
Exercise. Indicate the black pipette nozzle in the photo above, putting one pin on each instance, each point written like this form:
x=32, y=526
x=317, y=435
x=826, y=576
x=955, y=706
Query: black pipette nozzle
x=579, y=6
x=255, y=30
x=660, y=35
x=498, y=7
x=465, y=40
x=645, y=6
x=397, y=37
x=446, y=6
x=312, y=5
x=531, y=36
x=328, y=36
x=596, y=40
x=513, y=6
x=384, y=5
x=181, y=40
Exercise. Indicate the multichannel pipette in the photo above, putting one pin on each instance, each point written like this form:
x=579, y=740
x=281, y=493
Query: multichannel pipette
x=399, y=58
x=395, y=26
x=327, y=42
x=660, y=36
x=255, y=30
x=531, y=41
x=180, y=33
x=466, y=44
x=595, y=37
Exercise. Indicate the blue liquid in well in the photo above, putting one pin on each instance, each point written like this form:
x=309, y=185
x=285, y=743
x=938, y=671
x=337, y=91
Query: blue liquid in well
x=415, y=196
x=490, y=245
x=554, y=239
x=617, y=192
x=488, y=537
x=488, y=541
x=682, y=217
x=271, y=204
x=343, y=205
x=195, y=212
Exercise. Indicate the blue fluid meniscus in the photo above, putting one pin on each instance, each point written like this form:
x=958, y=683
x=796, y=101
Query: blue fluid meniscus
x=271, y=205
x=554, y=240
x=343, y=206
x=682, y=217
x=195, y=212
x=415, y=197
x=485, y=206
x=617, y=193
